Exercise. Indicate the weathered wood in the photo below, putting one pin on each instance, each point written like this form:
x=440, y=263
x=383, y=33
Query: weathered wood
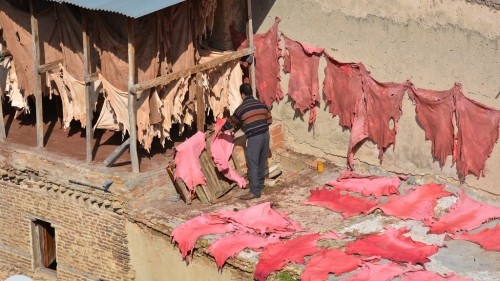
x=92, y=77
x=165, y=79
x=250, y=43
x=180, y=186
x=200, y=104
x=131, y=97
x=110, y=160
x=213, y=184
x=3, y=135
x=89, y=114
x=200, y=193
x=2, y=123
x=38, y=78
x=49, y=66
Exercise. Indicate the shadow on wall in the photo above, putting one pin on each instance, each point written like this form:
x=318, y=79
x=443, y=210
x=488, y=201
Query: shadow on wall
x=260, y=9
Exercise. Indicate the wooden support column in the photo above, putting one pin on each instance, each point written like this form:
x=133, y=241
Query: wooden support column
x=250, y=42
x=87, y=70
x=2, y=124
x=3, y=135
x=38, y=78
x=131, y=97
x=200, y=104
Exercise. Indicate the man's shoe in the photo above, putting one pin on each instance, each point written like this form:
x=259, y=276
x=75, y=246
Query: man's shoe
x=248, y=196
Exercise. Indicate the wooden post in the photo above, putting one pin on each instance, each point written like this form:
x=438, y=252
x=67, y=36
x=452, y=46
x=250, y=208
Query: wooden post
x=38, y=78
x=110, y=160
x=131, y=97
x=250, y=42
x=2, y=124
x=88, y=91
x=200, y=104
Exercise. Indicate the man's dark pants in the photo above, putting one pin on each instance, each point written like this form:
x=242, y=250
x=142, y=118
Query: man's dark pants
x=256, y=154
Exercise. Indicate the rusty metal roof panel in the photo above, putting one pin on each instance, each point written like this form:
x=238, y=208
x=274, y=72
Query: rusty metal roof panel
x=130, y=8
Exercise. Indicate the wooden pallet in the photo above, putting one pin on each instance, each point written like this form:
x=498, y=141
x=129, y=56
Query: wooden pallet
x=216, y=184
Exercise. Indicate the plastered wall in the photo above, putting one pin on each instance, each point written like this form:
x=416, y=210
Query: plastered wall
x=432, y=43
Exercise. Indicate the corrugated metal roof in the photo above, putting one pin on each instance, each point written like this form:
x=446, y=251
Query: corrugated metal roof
x=131, y=8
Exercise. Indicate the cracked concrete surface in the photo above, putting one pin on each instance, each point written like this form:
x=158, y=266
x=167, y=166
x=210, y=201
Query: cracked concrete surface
x=464, y=258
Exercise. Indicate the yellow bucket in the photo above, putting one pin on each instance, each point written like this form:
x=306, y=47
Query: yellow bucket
x=320, y=167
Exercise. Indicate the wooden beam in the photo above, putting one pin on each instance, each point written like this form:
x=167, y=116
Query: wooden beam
x=3, y=135
x=49, y=66
x=200, y=104
x=131, y=97
x=110, y=160
x=250, y=43
x=2, y=123
x=165, y=79
x=89, y=113
x=38, y=78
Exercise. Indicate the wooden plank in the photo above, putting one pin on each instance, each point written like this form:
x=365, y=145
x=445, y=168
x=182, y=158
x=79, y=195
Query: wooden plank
x=110, y=160
x=165, y=79
x=213, y=184
x=89, y=114
x=38, y=78
x=180, y=186
x=200, y=193
x=250, y=42
x=200, y=104
x=131, y=97
x=49, y=66
x=3, y=136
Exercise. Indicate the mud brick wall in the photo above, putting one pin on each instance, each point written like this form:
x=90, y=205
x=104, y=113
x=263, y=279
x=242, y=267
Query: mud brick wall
x=91, y=240
x=490, y=3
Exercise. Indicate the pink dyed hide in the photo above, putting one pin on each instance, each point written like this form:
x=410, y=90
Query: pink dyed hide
x=261, y=219
x=187, y=161
x=377, y=114
x=466, y=214
x=221, y=146
x=302, y=62
x=376, y=186
x=326, y=261
x=229, y=246
x=379, y=272
x=343, y=89
x=435, y=112
x=277, y=255
x=431, y=276
x=345, y=204
x=478, y=129
x=417, y=204
x=488, y=238
x=187, y=233
x=392, y=245
x=267, y=68
x=383, y=105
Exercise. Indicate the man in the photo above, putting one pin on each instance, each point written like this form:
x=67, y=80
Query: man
x=254, y=118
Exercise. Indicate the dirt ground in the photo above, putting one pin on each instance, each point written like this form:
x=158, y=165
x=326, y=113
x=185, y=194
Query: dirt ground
x=466, y=259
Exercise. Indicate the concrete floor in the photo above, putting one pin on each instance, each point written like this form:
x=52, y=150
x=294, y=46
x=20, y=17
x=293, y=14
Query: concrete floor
x=463, y=258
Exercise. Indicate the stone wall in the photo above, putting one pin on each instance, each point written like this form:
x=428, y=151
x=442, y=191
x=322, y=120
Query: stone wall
x=433, y=43
x=91, y=240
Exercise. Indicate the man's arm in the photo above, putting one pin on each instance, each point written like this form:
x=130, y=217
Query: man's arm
x=231, y=123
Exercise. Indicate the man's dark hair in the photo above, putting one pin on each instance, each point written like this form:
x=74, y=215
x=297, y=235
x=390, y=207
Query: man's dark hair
x=246, y=89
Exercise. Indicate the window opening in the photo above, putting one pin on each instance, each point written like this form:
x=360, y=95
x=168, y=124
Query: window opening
x=47, y=242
